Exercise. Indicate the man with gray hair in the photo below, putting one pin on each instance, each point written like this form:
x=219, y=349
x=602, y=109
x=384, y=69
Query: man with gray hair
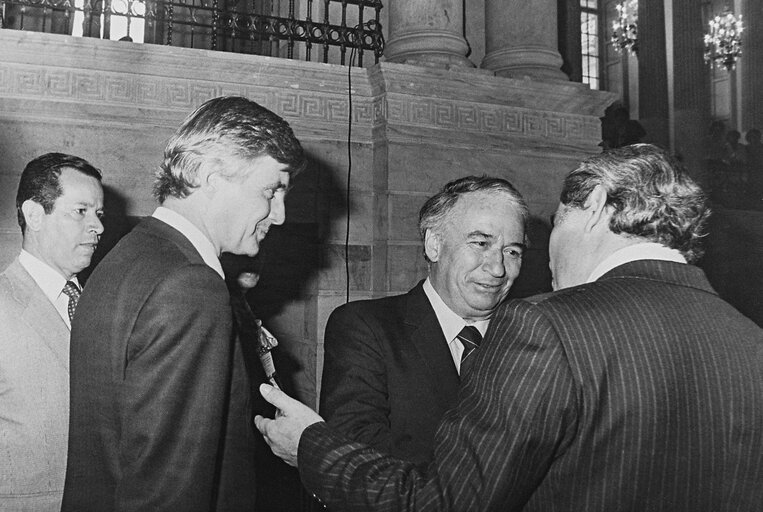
x=392, y=365
x=632, y=387
x=160, y=408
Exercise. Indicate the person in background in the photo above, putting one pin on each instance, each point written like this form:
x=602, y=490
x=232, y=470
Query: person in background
x=391, y=366
x=160, y=398
x=59, y=205
x=633, y=386
x=754, y=161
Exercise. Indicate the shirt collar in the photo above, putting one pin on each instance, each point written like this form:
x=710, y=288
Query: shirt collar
x=643, y=251
x=450, y=323
x=199, y=241
x=50, y=281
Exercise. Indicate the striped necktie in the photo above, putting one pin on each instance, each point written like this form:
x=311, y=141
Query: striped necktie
x=72, y=290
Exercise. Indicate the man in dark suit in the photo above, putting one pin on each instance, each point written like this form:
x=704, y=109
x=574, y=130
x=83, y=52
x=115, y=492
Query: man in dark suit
x=391, y=366
x=632, y=387
x=160, y=402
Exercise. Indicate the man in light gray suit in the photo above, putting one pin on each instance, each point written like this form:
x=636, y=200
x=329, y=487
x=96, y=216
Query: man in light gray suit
x=59, y=205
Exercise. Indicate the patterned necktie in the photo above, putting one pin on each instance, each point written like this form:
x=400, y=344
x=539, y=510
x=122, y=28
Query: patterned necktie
x=470, y=338
x=73, y=292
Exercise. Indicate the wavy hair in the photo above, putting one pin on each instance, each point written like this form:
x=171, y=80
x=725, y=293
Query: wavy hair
x=651, y=193
x=222, y=129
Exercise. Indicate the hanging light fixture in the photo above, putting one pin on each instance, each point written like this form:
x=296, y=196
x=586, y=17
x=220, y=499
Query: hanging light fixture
x=723, y=42
x=625, y=27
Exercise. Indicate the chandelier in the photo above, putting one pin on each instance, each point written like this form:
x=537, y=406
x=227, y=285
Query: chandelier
x=625, y=27
x=723, y=42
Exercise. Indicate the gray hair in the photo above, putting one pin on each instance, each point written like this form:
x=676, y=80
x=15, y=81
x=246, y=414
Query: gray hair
x=436, y=209
x=221, y=129
x=651, y=193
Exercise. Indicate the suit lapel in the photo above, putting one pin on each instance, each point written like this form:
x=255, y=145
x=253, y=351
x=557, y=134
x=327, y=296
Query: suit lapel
x=36, y=306
x=425, y=334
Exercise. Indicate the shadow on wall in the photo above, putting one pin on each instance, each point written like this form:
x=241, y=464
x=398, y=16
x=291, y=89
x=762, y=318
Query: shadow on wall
x=289, y=262
x=116, y=224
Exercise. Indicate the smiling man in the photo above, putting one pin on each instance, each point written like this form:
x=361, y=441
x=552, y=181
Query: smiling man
x=161, y=416
x=59, y=205
x=632, y=387
x=392, y=365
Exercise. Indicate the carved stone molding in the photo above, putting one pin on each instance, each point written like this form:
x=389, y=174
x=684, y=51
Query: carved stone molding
x=83, y=84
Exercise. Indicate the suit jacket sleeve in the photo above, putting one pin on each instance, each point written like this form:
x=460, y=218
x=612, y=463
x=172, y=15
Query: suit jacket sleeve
x=516, y=412
x=175, y=385
x=354, y=396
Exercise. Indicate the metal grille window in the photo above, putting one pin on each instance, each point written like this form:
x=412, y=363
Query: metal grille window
x=589, y=42
x=262, y=27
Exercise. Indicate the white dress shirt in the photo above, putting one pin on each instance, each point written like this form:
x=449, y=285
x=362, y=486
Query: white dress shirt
x=50, y=282
x=644, y=251
x=451, y=324
x=199, y=241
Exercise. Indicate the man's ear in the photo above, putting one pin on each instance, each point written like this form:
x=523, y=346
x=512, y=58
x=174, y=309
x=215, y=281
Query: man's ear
x=33, y=214
x=597, y=209
x=432, y=244
x=209, y=180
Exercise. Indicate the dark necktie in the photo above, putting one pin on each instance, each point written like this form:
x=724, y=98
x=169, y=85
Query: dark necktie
x=470, y=338
x=73, y=292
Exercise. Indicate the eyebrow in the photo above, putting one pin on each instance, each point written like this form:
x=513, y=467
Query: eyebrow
x=482, y=234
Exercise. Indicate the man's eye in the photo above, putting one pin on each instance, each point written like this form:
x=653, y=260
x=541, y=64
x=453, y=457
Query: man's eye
x=514, y=253
x=80, y=211
x=100, y=215
x=479, y=243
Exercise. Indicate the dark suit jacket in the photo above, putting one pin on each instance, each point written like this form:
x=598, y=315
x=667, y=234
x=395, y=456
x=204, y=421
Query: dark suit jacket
x=641, y=391
x=388, y=375
x=160, y=416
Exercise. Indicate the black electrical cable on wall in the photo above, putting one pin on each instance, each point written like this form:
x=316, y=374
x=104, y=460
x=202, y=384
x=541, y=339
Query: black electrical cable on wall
x=349, y=174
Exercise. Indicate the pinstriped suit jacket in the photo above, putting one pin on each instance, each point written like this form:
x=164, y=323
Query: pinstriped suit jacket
x=34, y=395
x=641, y=391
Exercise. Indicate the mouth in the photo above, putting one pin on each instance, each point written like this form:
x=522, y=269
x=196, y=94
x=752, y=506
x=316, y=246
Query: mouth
x=490, y=287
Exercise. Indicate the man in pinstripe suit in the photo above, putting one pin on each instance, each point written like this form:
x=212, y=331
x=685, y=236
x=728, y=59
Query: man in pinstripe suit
x=633, y=387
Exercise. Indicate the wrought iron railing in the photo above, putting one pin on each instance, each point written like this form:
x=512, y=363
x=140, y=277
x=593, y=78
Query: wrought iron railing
x=263, y=27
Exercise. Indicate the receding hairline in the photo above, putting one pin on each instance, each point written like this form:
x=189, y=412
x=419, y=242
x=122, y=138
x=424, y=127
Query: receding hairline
x=517, y=205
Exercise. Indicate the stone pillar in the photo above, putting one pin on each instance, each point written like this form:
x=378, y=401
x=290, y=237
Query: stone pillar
x=521, y=39
x=690, y=85
x=653, y=72
x=751, y=66
x=427, y=33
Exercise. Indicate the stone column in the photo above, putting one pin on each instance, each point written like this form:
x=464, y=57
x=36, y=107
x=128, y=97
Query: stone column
x=751, y=66
x=521, y=39
x=427, y=33
x=653, y=72
x=690, y=85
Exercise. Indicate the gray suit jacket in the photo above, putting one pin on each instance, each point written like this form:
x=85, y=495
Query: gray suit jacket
x=34, y=395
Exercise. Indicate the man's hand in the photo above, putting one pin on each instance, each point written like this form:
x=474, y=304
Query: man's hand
x=292, y=418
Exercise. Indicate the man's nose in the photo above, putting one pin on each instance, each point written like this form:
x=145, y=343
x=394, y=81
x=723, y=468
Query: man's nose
x=494, y=263
x=96, y=225
x=277, y=211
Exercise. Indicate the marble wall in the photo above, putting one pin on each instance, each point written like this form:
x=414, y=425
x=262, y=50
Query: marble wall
x=385, y=137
